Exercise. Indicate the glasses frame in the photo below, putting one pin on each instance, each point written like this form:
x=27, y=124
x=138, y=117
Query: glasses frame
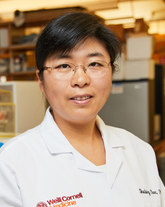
x=85, y=69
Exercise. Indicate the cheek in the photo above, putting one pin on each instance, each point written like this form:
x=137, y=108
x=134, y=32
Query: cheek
x=104, y=85
x=102, y=91
x=49, y=87
x=54, y=90
x=104, y=88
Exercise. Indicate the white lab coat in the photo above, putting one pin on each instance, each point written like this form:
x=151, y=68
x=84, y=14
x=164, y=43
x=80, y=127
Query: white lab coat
x=40, y=168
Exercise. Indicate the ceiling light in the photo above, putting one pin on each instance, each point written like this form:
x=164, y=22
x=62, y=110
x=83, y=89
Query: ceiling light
x=101, y=6
x=157, y=27
x=120, y=21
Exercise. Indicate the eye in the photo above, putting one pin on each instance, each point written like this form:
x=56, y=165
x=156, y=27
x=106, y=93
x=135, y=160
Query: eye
x=96, y=64
x=62, y=66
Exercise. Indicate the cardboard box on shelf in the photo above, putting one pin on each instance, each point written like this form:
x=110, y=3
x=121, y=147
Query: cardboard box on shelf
x=140, y=26
x=139, y=47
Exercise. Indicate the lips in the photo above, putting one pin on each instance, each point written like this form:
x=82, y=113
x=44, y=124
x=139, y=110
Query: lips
x=81, y=97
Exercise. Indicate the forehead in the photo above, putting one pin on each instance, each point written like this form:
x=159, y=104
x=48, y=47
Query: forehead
x=86, y=48
x=90, y=44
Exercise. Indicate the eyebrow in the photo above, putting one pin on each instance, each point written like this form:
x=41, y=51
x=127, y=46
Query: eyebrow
x=60, y=56
x=95, y=54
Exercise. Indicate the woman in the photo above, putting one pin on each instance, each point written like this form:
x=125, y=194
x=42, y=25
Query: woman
x=73, y=158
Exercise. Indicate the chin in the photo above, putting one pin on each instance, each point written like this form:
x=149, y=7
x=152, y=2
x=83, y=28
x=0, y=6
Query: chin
x=81, y=119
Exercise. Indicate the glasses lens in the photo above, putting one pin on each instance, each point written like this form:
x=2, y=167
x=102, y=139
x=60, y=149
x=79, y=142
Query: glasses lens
x=63, y=69
x=96, y=68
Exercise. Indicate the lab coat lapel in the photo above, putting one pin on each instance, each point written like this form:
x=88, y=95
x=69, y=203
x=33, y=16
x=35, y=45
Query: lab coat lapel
x=112, y=143
x=113, y=162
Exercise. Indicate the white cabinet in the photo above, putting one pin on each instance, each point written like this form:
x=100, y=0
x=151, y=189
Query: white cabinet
x=29, y=103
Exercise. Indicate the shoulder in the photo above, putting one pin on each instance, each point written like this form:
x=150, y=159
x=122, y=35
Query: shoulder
x=125, y=135
x=20, y=144
x=117, y=137
x=131, y=142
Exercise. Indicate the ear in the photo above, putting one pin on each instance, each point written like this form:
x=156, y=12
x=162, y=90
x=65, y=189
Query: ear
x=113, y=68
x=40, y=81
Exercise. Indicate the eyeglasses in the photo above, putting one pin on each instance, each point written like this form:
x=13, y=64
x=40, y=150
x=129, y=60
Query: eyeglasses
x=94, y=69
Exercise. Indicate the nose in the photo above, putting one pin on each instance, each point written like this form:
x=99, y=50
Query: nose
x=80, y=78
x=79, y=67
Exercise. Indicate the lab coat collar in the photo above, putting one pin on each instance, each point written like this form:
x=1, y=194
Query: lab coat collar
x=108, y=134
x=57, y=143
x=54, y=139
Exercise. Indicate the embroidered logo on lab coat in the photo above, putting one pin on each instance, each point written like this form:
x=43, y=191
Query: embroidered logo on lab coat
x=61, y=201
x=41, y=204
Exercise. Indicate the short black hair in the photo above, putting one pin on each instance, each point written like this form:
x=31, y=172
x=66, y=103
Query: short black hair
x=63, y=33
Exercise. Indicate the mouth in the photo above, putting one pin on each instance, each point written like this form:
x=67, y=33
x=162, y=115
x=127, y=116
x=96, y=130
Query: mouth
x=81, y=98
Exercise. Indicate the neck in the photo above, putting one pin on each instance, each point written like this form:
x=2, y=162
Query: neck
x=77, y=132
x=85, y=138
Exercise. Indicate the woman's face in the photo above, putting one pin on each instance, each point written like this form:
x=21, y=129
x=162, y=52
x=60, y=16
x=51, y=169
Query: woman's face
x=79, y=98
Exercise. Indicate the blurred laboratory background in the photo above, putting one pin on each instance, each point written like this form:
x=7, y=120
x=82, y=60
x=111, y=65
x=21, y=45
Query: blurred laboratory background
x=137, y=99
